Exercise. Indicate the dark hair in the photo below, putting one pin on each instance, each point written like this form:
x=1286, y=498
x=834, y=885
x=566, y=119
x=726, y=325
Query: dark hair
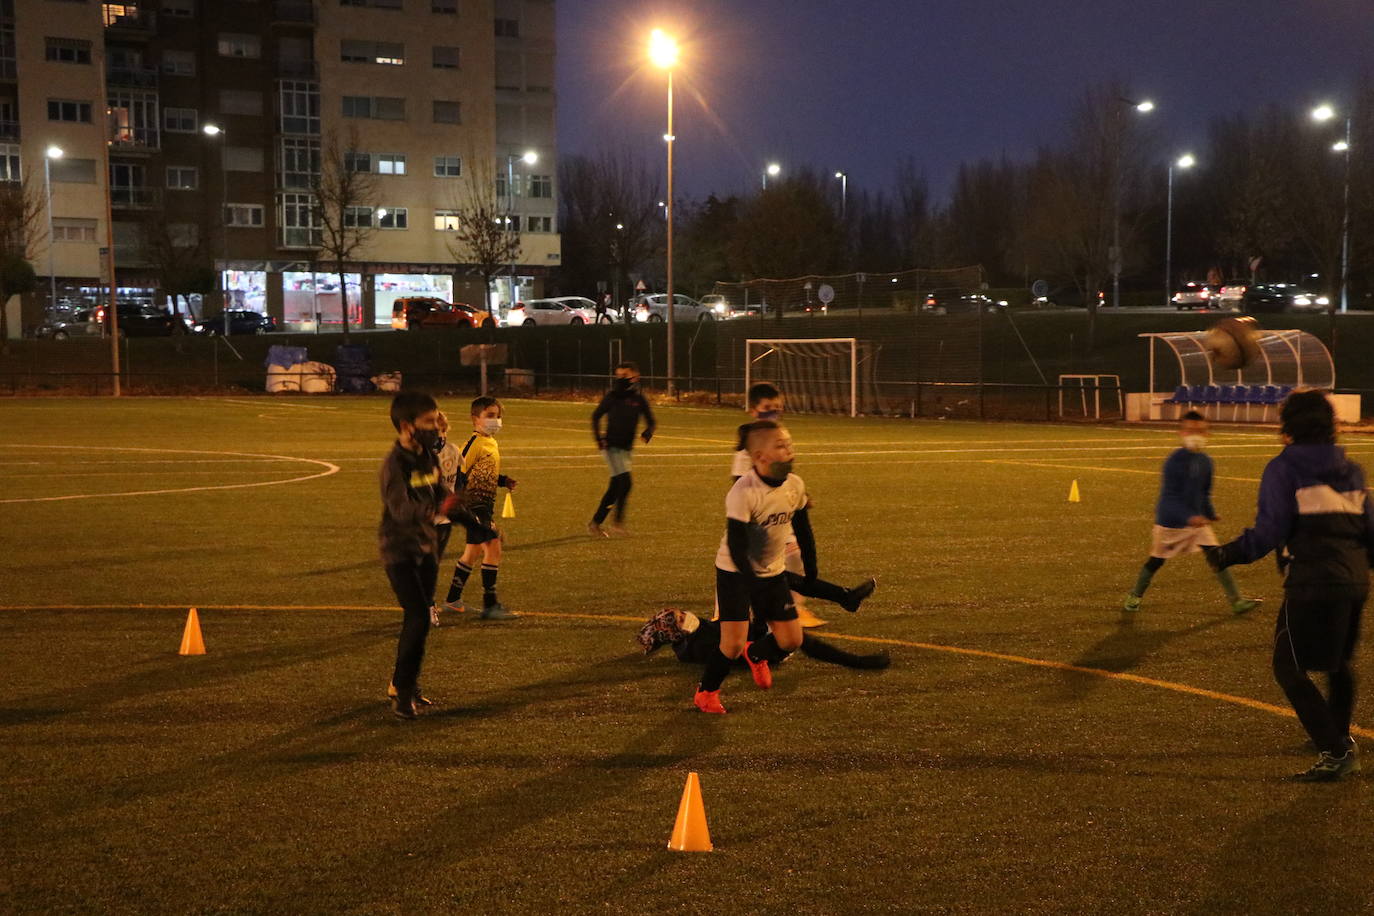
x=1306, y=417
x=1192, y=415
x=482, y=403
x=628, y=365
x=407, y=407
x=748, y=429
x=762, y=391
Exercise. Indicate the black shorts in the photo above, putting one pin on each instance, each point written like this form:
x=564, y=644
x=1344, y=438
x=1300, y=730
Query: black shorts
x=770, y=598
x=1323, y=631
x=484, y=514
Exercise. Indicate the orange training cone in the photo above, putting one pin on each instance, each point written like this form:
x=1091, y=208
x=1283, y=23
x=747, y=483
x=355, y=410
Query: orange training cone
x=690, y=833
x=1073, y=492
x=191, y=641
x=508, y=510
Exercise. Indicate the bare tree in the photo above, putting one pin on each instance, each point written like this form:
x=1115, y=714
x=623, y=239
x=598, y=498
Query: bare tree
x=182, y=262
x=20, y=212
x=345, y=201
x=609, y=216
x=487, y=235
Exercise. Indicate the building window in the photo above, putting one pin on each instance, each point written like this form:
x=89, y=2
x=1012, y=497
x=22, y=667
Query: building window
x=448, y=166
x=394, y=218
x=179, y=120
x=366, y=106
x=243, y=216
x=446, y=58
x=9, y=51
x=240, y=101
x=179, y=63
x=445, y=220
x=183, y=235
x=235, y=45
x=541, y=186
x=67, y=50
x=300, y=107
x=357, y=162
x=75, y=171
x=243, y=159
x=68, y=110
x=182, y=178
x=444, y=6
x=9, y=162
x=372, y=52
x=182, y=9
x=391, y=164
x=357, y=217
x=503, y=189
x=539, y=223
x=447, y=112
x=507, y=28
x=73, y=230
x=297, y=219
x=133, y=119
x=300, y=162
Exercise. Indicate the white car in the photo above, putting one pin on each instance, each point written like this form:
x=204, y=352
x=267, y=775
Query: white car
x=654, y=308
x=560, y=310
x=1231, y=294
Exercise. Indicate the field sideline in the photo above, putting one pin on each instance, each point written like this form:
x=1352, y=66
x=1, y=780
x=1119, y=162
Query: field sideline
x=1031, y=748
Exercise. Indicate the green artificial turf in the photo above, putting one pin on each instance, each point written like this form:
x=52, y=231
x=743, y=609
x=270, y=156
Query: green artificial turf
x=269, y=776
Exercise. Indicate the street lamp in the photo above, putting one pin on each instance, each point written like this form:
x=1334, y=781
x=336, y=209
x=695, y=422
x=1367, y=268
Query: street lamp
x=844, y=191
x=214, y=130
x=529, y=157
x=1186, y=161
x=663, y=53
x=772, y=171
x=1323, y=113
x=51, y=153
x=1144, y=106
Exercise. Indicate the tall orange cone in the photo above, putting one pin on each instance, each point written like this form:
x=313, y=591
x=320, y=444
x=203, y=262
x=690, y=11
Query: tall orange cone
x=1073, y=492
x=690, y=833
x=191, y=641
x=508, y=510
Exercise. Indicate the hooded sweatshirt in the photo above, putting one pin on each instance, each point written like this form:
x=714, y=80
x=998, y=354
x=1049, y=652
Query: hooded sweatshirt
x=1314, y=511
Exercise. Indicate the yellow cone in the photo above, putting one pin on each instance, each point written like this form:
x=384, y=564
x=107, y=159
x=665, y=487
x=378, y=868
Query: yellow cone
x=1073, y=492
x=191, y=641
x=508, y=510
x=690, y=833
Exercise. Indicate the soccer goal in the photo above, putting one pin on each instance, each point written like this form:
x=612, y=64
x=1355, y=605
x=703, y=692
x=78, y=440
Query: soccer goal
x=819, y=375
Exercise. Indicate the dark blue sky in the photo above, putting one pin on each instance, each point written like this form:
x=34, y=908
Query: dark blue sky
x=860, y=84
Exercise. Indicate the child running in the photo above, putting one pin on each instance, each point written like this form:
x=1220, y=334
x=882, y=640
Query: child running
x=762, y=509
x=479, y=472
x=1184, y=514
x=622, y=407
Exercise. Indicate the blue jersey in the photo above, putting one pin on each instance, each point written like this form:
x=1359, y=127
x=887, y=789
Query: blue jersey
x=1185, y=490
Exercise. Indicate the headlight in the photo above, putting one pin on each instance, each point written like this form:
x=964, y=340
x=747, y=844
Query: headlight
x=197, y=328
x=720, y=308
x=641, y=316
x=1302, y=300
x=1002, y=302
x=1322, y=300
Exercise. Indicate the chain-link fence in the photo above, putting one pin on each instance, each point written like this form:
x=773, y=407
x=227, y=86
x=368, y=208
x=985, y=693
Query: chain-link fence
x=903, y=292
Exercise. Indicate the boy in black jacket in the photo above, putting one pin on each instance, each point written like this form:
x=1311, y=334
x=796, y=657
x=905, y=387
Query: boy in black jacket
x=1313, y=509
x=622, y=407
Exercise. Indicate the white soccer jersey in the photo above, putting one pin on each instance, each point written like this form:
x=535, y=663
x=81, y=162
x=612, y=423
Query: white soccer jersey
x=449, y=459
x=742, y=463
x=768, y=512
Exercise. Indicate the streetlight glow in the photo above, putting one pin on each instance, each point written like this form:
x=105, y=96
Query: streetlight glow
x=530, y=157
x=1339, y=146
x=1145, y=107
x=212, y=130
x=662, y=49
x=54, y=152
x=1323, y=113
x=774, y=169
x=1187, y=161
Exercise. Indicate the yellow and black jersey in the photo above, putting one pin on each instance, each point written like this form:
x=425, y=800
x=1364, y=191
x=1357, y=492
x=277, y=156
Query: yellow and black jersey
x=480, y=468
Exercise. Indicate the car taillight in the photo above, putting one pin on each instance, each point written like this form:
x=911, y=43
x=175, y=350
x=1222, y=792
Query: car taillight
x=1206, y=293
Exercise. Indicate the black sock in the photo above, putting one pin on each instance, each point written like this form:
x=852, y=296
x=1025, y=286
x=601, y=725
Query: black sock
x=489, y=571
x=823, y=651
x=766, y=650
x=608, y=499
x=717, y=666
x=460, y=578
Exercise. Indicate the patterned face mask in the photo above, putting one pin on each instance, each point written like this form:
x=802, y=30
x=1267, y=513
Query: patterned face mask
x=664, y=630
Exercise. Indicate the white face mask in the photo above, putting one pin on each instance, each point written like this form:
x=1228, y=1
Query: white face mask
x=690, y=622
x=491, y=426
x=1195, y=443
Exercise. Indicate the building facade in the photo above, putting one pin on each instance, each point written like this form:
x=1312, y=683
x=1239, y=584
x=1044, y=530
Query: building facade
x=202, y=126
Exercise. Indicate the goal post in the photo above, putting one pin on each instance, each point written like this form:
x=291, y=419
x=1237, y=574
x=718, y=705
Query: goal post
x=819, y=374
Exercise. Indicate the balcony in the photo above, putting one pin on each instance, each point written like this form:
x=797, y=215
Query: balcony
x=134, y=140
x=294, y=12
x=9, y=130
x=132, y=77
x=127, y=20
x=295, y=68
x=124, y=197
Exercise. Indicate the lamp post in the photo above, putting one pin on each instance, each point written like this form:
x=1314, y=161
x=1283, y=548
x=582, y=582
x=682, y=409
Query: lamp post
x=214, y=130
x=772, y=171
x=663, y=53
x=1186, y=161
x=529, y=157
x=51, y=153
x=1326, y=113
x=1143, y=107
x=844, y=191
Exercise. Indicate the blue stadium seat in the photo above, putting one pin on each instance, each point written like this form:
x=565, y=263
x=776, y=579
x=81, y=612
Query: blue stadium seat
x=1211, y=394
x=1180, y=396
x=1196, y=394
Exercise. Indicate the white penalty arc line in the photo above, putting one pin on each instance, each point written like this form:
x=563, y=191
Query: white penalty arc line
x=1122, y=676
x=327, y=466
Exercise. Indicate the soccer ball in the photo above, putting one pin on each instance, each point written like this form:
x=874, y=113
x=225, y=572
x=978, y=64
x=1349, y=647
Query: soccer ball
x=1233, y=343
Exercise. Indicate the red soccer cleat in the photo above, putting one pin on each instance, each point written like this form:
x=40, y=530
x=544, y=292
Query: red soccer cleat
x=709, y=701
x=763, y=676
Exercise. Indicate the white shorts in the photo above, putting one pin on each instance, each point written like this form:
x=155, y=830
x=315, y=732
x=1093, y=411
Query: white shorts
x=1175, y=542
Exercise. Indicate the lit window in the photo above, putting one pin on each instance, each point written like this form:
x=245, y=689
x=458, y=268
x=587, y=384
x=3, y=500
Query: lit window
x=391, y=164
x=446, y=220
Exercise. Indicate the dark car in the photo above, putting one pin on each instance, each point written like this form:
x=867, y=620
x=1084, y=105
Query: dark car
x=141, y=320
x=959, y=302
x=1282, y=297
x=241, y=321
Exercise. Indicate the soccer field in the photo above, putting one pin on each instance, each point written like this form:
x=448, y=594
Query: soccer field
x=1031, y=749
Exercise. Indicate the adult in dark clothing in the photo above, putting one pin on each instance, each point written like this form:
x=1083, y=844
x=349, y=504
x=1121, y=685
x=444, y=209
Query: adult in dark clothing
x=695, y=640
x=1314, y=512
x=622, y=406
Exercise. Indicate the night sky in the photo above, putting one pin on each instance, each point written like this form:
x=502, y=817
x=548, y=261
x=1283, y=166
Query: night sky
x=860, y=84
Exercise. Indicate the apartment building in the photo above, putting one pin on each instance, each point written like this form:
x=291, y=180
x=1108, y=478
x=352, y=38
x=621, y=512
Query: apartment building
x=201, y=126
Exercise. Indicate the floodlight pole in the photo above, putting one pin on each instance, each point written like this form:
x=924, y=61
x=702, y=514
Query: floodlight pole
x=1345, y=225
x=672, y=360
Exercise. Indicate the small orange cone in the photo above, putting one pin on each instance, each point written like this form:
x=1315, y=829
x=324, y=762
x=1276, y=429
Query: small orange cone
x=690, y=833
x=1073, y=492
x=191, y=641
x=508, y=510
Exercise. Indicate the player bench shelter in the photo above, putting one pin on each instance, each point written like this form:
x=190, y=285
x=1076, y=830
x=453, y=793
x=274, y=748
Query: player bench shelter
x=1184, y=376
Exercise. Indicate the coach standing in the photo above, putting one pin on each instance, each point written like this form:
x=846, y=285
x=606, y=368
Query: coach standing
x=1313, y=509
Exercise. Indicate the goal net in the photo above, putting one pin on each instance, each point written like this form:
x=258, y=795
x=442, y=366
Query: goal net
x=817, y=375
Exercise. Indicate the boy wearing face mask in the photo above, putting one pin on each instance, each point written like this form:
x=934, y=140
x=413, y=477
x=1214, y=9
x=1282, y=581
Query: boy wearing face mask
x=1184, y=514
x=622, y=407
x=479, y=470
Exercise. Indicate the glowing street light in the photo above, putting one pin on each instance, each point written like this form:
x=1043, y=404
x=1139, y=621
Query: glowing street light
x=1186, y=161
x=215, y=130
x=51, y=153
x=1145, y=107
x=663, y=51
x=844, y=191
x=663, y=54
x=1321, y=114
x=772, y=171
x=529, y=157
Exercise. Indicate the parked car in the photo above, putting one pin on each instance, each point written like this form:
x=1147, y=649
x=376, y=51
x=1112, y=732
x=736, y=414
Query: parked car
x=1283, y=297
x=241, y=321
x=718, y=304
x=62, y=323
x=139, y=319
x=560, y=310
x=654, y=307
x=1231, y=293
x=1192, y=296
x=412, y=313
x=959, y=302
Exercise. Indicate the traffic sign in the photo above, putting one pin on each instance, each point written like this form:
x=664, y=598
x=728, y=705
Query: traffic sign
x=640, y=287
x=826, y=294
x=1040, y=289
